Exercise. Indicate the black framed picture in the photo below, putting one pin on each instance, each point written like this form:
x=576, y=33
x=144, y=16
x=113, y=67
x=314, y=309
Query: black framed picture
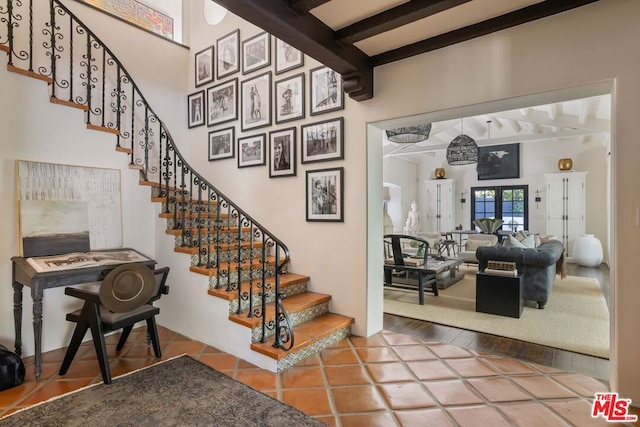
x=195, y=109
x=322, y=141
x=251, y=151
x=289, y=94
x=287, y=57
x=282, y=153
x=222, y=102
x=204, y=66
x=256, y=102
x=498, y=162
x=228, y=48
x=221, y=144
x=256, y=52
x=326, y=92
x=325, y=195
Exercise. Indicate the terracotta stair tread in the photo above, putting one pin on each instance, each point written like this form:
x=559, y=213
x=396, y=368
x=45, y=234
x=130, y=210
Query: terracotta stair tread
x=4, y=48
x=28, y=73
x=292, y=304
x=232, y=266
x=157, y=185
x=286, y=279
x=306, y=334
x=179, y=200
x=71, y=104
x=223, y=246
x=192, y=215
x=178, y=231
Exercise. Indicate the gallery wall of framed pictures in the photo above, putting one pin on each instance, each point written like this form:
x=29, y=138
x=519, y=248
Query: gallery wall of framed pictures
x=253, y=114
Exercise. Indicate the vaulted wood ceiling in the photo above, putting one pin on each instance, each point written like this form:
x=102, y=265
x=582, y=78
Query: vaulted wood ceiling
x=354, y=36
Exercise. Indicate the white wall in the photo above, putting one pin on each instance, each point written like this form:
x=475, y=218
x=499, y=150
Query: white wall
x=404, y=176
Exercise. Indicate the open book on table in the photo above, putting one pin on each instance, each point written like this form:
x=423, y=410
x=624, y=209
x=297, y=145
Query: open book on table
x=84, y=259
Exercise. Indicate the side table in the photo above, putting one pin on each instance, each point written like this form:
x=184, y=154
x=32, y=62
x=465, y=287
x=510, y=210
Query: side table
x=501, y=295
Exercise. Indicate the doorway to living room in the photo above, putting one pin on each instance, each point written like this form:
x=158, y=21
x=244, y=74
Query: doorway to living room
x=572, y=123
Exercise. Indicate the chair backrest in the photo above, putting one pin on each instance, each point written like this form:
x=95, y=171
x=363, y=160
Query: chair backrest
x=127, y=287
x=161, y=287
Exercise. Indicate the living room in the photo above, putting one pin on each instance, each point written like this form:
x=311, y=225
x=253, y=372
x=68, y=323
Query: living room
x=409, y=167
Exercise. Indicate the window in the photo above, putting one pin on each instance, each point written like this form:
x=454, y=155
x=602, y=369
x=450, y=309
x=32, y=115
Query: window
x=509, y=203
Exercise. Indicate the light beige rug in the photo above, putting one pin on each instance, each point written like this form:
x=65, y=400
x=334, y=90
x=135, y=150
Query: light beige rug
x=575, y=318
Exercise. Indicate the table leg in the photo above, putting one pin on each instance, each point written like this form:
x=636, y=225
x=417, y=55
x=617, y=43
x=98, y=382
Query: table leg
x=17, y=316
x=420, y=289
x=36, y=294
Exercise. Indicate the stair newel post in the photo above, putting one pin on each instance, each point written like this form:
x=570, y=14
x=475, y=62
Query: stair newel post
x=217, y=224
x=175, y=196
x=53, y=65
x=133, y=122
x=104, y=86
x=10, y=29
x=228, y=241
x=189, y=211
x=147, y=134
x=167, y=177
x=30, y=35
x=199, y=223
x=52, y=15
x=263, y=294
x=89, y=59
x=180, y=206
x=239, y=268
x=251, y=258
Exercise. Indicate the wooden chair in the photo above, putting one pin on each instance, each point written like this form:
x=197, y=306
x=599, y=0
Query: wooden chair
x=400, y=262
x=95, y=316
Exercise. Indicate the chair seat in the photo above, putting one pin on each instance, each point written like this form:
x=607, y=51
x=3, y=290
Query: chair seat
x=114, y=319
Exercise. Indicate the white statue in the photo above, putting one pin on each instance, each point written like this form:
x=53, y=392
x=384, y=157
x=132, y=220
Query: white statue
x=412, y=226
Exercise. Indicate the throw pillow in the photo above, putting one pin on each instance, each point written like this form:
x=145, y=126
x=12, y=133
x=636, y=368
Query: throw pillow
x=521, y=235
x=512, y=242
x=529, y=241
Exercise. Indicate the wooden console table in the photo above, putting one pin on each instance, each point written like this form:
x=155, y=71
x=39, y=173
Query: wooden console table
x=23, y=274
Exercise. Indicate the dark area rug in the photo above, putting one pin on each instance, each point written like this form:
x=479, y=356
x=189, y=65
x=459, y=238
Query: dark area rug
x=179, y=392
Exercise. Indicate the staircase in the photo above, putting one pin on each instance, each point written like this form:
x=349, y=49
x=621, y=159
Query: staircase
x=245, y=264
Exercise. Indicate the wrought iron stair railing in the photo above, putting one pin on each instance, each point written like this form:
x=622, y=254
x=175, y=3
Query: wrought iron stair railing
x=47, y=41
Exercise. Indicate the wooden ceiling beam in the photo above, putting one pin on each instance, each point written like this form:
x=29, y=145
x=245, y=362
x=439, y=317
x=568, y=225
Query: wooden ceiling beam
x=393, y=18
x=509, y=20
x=310, y=35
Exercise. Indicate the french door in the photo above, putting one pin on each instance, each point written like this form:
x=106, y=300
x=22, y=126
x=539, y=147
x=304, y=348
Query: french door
x=510, y=203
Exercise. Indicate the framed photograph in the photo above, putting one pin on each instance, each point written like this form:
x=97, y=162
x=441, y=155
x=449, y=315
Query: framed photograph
x=256, y=52
x=498, y=162
x=325, y=195
x=228, y=48
x=282, y=153
x=322, y=141
x=204, y=66
x=221, y=144
x=326, y=91
x=251, y=151
x=287, y=57
x=289, y=95
x=256, y=102
x=222, y=102
x=195, y=109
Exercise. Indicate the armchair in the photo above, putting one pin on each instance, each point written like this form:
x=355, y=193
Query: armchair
x=468, y=249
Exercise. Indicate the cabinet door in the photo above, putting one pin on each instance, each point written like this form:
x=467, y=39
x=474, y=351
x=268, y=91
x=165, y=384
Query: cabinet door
x=440, y=205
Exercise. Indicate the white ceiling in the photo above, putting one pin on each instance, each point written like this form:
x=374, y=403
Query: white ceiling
x=588, y=119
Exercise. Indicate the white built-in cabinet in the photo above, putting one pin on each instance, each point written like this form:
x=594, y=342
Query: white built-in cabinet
x=566, y=207
x=441, y=210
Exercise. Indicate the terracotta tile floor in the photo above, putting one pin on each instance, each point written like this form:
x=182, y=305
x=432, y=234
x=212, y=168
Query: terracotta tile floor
x=386, y=380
